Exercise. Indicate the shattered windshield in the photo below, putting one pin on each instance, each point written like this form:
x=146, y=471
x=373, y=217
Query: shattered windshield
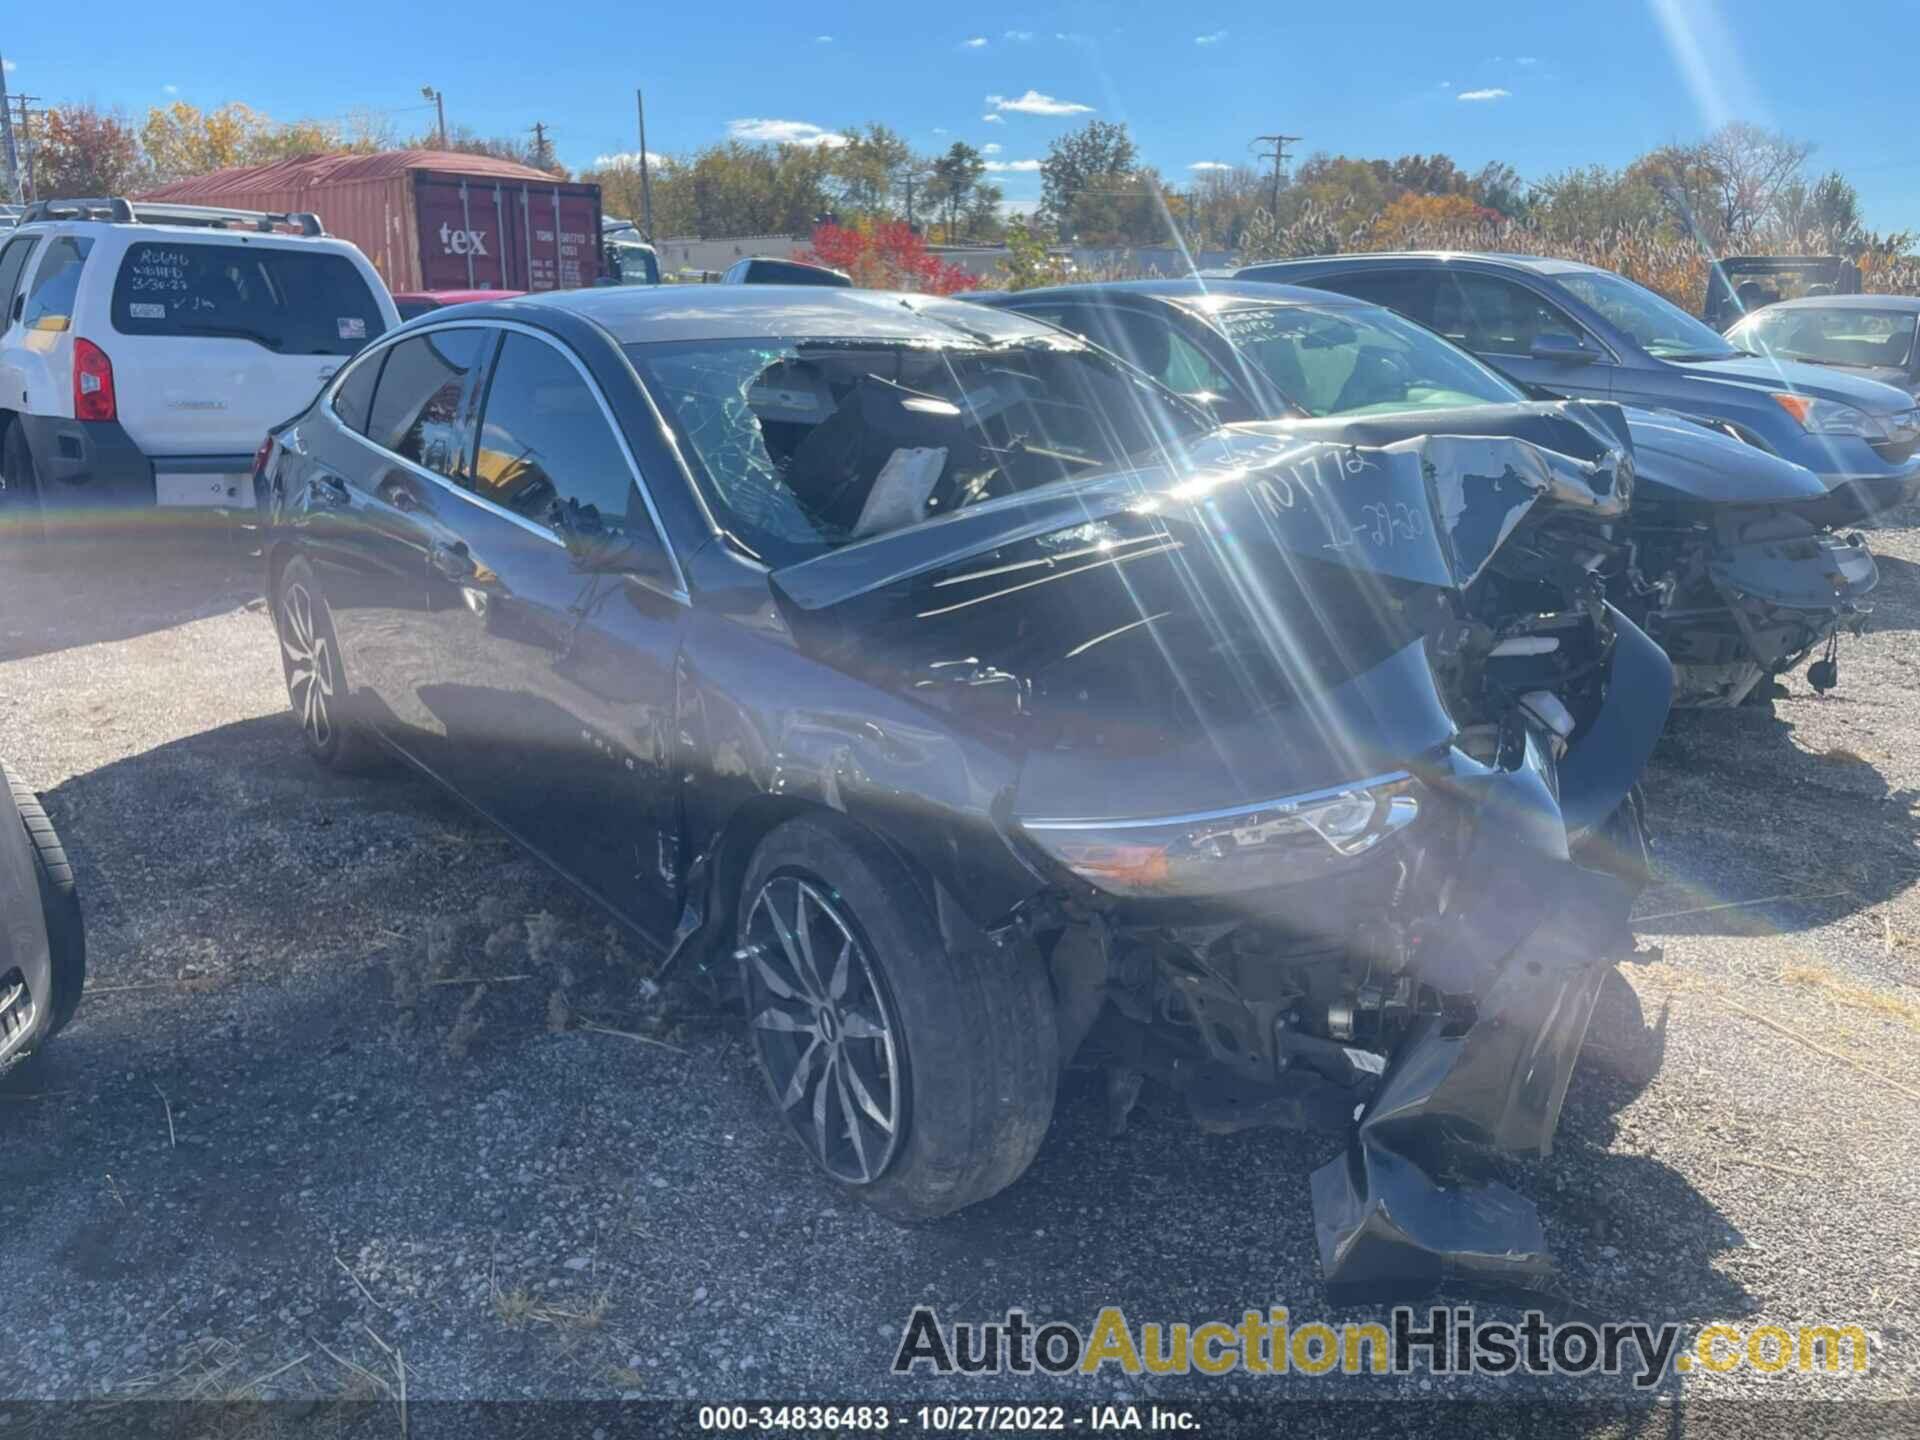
x=1658, y=326
x=1359, y=362
x=1843, y=335
x=800, y=446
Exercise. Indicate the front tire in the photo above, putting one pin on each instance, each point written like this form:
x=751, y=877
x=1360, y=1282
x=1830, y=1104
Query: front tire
x=920, y=1080
x=316, y=681
x=59, y=906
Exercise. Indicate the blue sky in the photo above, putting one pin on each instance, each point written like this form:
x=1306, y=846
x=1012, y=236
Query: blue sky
x=1540, y=85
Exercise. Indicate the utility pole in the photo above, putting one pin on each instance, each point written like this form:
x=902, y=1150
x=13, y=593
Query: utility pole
x=15, y=187
x=1279, y=158
x=541, y=158
x=646, y=187
x=440, y=109
x=32, y=187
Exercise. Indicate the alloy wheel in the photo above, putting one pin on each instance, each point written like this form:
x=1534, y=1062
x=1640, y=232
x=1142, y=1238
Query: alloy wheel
x=311, y=674
x=823, y=1029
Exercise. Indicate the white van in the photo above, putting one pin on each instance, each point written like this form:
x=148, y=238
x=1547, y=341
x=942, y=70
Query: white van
x=148, y=349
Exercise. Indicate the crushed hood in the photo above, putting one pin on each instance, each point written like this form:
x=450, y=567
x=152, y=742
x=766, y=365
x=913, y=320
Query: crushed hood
x=1259, y=610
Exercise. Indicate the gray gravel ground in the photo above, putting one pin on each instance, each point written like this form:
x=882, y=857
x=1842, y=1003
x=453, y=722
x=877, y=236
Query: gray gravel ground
x=274, y=1155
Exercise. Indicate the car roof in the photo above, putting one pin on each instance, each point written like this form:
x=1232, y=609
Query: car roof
x=1199, y=296
x=1538, y=264
x=639, y=314
x=136, y=230
x=1908, y=303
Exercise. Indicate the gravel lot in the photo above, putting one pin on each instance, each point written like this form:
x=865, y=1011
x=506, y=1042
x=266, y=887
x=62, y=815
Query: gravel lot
x=288, y=1141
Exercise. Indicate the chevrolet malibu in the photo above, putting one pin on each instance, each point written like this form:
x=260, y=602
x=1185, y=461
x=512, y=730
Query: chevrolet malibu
x=968, y=703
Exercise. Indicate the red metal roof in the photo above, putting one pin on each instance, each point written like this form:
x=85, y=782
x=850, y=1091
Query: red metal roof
x=303, y=172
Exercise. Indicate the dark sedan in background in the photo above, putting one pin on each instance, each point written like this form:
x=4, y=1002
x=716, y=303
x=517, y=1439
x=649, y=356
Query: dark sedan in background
x=1575, y=330
x=1713, y=560
x=972, y=702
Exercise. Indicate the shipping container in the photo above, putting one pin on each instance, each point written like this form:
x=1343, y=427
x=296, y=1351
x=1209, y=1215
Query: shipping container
x=429, y=219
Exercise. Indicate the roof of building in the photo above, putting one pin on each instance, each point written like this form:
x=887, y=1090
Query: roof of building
x=302, y=172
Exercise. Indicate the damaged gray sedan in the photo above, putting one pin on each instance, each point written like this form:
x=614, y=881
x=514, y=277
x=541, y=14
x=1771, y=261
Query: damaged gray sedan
x=975, y=705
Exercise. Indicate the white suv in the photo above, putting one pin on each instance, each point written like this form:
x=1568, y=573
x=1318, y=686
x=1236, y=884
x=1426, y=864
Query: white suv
x=148, y=349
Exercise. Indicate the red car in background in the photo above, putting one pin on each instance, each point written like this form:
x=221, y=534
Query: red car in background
x=414, y=303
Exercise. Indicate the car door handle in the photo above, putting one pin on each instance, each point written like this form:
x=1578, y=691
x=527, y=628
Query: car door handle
x=452, y=559
x=330, y=492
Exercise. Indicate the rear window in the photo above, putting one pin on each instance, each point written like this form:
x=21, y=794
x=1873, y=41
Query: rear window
x=293, y=302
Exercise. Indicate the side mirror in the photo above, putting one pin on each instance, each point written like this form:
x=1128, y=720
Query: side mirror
x=1562, y=349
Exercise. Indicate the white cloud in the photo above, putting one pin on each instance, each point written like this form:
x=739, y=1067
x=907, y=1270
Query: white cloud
x=994, y=119
x=11, y=67
x=977, y=42
x=1020, y=37
x=939, y=129
x=823, y=39
x=1495, y=94
x=1212, y=37
x=784, y=132
x=990, y=149
x=1034, y=103
x=1209, y=165
x=1529, y=60
x=1020, y=165
x=170, y=89
x=1446, y=84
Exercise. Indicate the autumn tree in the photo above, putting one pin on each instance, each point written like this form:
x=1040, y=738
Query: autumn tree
x=886, y=256
x=83, y=150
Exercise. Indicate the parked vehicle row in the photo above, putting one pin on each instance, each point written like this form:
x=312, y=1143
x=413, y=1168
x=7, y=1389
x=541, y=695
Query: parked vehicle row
x=1233, y=683
x=1715, y=560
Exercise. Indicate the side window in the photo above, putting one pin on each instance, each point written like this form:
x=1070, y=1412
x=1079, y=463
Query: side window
x=353, y=400
x=12, y=261
x=1492, y=316
x=544, y=443
x=1410, y=292
x=56, y=281
x=417, y=410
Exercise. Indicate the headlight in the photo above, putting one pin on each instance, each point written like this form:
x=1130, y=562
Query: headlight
x=1831, y=417
x=1250, y=847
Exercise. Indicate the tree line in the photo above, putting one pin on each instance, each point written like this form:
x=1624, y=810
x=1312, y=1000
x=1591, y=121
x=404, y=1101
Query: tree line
x=1741, y=188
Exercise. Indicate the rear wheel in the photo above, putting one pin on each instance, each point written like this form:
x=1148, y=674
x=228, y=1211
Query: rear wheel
x=316, y=683
x=22, y=520
x=919, y=1079
x=59, y=904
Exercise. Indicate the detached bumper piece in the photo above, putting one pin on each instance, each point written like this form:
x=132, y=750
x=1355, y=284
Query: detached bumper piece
x=1781, y=598
x=1410, y=1209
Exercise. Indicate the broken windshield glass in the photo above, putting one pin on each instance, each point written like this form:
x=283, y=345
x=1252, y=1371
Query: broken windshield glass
x=800, y=447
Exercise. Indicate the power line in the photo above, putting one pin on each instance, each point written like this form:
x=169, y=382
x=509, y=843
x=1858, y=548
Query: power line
x=1279, y=157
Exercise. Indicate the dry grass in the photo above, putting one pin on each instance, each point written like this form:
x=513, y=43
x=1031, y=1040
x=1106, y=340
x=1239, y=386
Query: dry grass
x=1842, y=991
x=520, y=1306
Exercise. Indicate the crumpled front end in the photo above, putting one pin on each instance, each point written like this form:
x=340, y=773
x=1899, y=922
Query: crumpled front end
x=1759, y=594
